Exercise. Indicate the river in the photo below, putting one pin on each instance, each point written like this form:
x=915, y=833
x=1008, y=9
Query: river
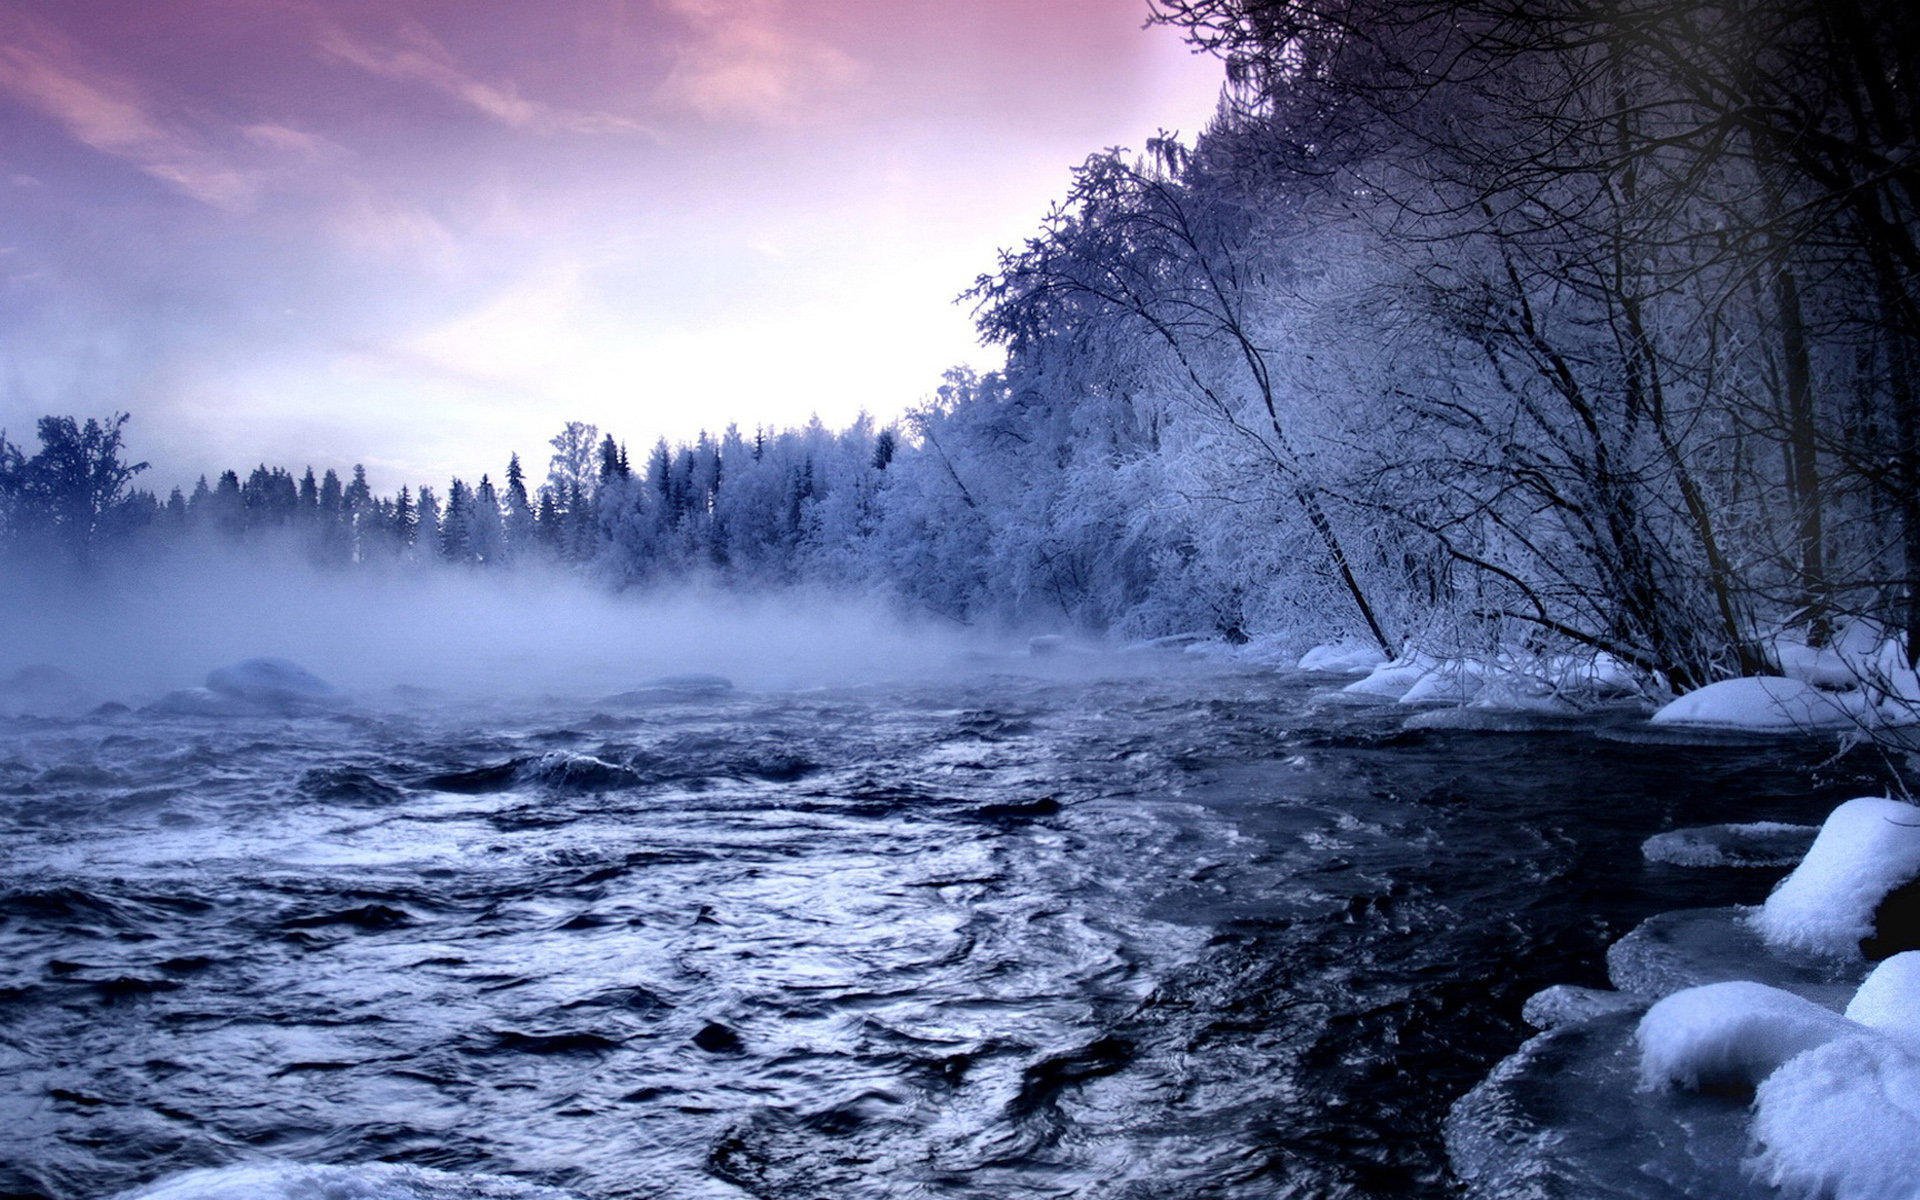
x=1164, y=934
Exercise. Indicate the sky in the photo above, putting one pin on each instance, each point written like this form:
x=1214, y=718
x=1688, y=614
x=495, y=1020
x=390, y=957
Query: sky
x=421, y=234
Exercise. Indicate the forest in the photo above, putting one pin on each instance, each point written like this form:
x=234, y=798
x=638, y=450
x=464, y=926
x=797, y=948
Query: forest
x=1494, y=325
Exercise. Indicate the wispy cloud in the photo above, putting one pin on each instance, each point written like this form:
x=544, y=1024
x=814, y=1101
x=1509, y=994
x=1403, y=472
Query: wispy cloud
x=416, y=56
x=109, y=112
x=745, y=60
x=39, y=68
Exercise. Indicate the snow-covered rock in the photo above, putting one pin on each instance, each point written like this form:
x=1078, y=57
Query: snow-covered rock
x=1730, y=1035
x=1768, y=704
x=1753, y=844
x=44, y=691
x=1455, y=681
x=1822, y=667
x=1889, y=1000
x=1843, y=1121
x=1391, y=680
x=272, y=682
x=1342, y=658
x=1598, y=674
x=1832, y=903
x=1512, y=693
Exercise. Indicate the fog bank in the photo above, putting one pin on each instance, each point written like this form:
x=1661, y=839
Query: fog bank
x=140, y=630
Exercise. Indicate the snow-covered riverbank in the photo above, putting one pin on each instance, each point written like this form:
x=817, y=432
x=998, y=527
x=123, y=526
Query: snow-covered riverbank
x=1745, y=1052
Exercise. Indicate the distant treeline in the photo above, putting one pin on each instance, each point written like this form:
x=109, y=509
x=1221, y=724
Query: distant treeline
x=1483, y=327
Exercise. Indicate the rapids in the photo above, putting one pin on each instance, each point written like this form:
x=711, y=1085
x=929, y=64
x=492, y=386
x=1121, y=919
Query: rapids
x=1187, y=934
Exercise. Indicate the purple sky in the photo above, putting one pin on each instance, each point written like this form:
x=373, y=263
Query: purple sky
x=420, y=234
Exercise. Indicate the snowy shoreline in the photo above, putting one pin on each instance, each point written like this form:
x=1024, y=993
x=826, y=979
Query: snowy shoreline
x=1744, y=1051
x=1771, y=1050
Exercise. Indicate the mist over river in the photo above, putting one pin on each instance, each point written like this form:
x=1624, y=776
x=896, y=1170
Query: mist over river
x=1172, y=933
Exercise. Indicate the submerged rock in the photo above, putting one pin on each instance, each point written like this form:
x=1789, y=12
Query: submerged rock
x=558, y=770
x=1567, y=1004
x=1755, y=844
x=1565, y=1118
x=365, y=1181
x=1673, y=951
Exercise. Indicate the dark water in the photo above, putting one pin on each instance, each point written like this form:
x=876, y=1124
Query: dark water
x=1176, y=938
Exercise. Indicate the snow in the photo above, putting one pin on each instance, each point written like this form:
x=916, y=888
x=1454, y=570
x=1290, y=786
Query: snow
x=369, y=1181
x=1767, y=704
x=1827, y=906
x=1342, y=658
x=1391, y=680
x=1843, y=1121
x=1753, y=844
x=1599, y=673
x=1822, y=667
x=1521, y=694
x=1453, y=682
x=1730, y=1035
x=271, y=681
x=1889, y=1000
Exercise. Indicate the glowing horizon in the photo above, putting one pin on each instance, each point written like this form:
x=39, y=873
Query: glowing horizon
x=422, y=235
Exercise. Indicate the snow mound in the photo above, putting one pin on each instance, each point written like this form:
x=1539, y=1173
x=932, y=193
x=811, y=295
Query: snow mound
x=271, y=682
x=1767, y=704
x=1843, y=1121
x=1518, y=694
x=1391, y=680
x=1889, y=1000
x=1599, y=674
x=369, y=1181
x=1730, y=1035
x=1454, y=682
x=1342, y=658
x=1756, y=844
x=1833, y=902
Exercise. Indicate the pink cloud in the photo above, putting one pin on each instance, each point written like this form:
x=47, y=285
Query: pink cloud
x=107, y=114
x=743, y=59
x=417, y=56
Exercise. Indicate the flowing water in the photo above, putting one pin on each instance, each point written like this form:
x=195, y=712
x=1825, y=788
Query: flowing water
x=1183, y=935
